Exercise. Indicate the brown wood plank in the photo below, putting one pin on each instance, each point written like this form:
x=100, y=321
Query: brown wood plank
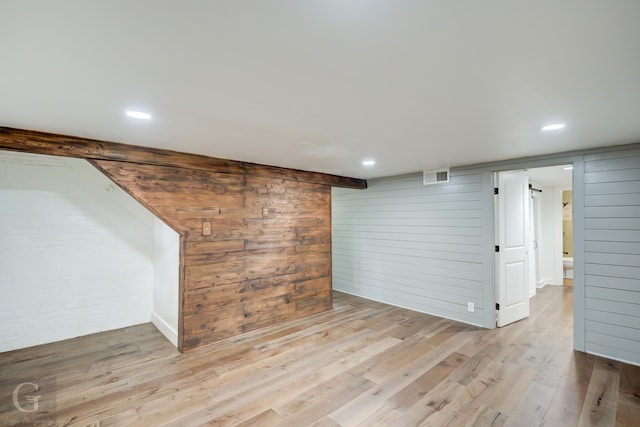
x=73, y=146
x=602, y=395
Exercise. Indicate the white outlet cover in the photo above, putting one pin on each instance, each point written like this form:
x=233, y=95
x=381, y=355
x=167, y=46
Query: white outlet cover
x=471, y=307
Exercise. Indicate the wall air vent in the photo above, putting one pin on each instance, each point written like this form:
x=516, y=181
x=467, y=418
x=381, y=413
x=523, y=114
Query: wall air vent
x=435, y=177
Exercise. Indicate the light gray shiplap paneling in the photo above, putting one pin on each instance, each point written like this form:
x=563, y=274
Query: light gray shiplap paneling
x=430, y=248
x=612, y=254
x=415, y=246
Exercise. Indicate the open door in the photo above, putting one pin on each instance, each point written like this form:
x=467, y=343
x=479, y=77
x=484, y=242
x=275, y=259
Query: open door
x=512, y=256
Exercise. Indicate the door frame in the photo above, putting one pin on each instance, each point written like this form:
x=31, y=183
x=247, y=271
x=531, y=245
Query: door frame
x=489, y=205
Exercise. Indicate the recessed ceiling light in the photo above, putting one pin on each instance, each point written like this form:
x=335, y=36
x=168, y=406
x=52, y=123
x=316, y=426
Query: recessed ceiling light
x=553, y=126
x=368, y=162
x=568, y=168
x=140, y=115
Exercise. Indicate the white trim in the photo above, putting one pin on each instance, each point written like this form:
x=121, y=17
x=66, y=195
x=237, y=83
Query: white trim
x=544, y=282
x=165, y=329
x=412, y=309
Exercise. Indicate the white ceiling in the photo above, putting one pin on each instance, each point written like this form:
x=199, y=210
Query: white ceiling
x=321, y=85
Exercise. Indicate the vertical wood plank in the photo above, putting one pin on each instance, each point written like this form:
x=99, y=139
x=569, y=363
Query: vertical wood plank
x=600, y=403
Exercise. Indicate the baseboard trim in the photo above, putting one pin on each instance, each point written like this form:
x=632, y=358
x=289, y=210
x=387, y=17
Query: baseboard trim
x=165, y=329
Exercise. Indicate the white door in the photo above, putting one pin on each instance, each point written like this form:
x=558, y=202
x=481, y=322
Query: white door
x=513, y=263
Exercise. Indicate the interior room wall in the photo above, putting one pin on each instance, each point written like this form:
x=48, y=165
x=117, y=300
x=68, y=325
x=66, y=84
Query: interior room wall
x=266, y=258
x=76, y=252
x=533, y=240
x=558, y=276
x=567, y=223
x=166, y=263
x=414, y=245
x=548, y=234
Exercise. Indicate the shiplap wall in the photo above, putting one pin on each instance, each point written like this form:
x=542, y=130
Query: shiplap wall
x=612, y=254
x=414, y=246
x=429, y=248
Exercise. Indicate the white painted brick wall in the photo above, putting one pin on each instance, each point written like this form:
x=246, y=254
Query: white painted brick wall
x=76, y=252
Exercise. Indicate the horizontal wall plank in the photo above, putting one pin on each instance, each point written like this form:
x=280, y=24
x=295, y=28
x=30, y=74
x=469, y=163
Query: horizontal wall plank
x=417, y=208
x=613, y=176
x=411, y=261
x=418, y=284
x=421, y=190
x=612, y=259
x=628, y=187
x=612, y=341
x=613, y=282
x=403, y=270
x=612, y=271
x=376, y=244
x=407, y=229
x=612, y=212
x=613, y=152
x=632, y=248
x=608, y=224
x=612, y=161
x=630, y=296
x=624, y=332
x=613, y=200
x=355, y=215
x=409, y=237
x=612, y=235
x=393, y=199
x=418, y=254
x=611, y=352
x=612, y=318
x=409, y=222
x=618, y=307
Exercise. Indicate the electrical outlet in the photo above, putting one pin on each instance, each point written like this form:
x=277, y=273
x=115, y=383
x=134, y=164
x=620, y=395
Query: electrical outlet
x=471, y=307
x=265, y=211
x=206, y=229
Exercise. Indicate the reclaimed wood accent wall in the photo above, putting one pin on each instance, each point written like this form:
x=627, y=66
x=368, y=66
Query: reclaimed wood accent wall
x=266, y=257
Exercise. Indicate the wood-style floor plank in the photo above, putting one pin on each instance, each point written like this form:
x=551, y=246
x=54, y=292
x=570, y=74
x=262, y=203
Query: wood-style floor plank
x=361, y=364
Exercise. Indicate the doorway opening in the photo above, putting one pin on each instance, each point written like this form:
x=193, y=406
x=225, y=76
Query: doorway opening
x=533, y=236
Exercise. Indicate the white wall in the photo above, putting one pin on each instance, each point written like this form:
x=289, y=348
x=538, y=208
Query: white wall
x=76, y=253
x=166, y=281
x=558, y=276
x=550, y=234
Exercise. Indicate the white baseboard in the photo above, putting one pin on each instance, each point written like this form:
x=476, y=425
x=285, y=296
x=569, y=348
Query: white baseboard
x=165, y=329
x=544, y=282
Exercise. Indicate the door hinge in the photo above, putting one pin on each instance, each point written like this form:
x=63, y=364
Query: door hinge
x=497, y=306
x=495, y=191
x=497, y=248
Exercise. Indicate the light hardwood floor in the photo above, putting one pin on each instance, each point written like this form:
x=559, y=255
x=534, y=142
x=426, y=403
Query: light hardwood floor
x=364, y=363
